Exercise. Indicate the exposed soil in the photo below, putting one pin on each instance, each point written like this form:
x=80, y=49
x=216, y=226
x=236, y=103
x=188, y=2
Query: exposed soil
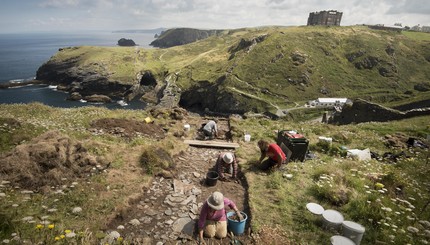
x=127, y=128
x=166, y=211
x=169, y=209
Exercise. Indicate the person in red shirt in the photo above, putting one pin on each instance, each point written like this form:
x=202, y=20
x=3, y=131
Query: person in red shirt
x=276, y=157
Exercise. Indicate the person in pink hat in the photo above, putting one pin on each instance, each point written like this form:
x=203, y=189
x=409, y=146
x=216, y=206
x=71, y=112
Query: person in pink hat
x=213, y=219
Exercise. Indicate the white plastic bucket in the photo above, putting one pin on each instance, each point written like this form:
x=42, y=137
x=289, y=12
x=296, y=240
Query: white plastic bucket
x=340, y=240
x=332, y=219
x=353, y=231
x=247, y=137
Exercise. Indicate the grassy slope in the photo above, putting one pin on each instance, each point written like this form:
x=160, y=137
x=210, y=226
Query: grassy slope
x=285, y=209
x=261, y=68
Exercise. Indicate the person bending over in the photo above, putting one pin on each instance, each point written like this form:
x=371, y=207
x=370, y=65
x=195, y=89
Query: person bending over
x=276, y=157
x=226, y=162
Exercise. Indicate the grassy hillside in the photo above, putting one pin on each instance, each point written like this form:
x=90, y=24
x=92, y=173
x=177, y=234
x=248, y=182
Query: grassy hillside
x=291, y=64
x=389, y=198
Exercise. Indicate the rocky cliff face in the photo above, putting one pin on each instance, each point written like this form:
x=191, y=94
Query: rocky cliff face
x=72, y=78
x=93, y=80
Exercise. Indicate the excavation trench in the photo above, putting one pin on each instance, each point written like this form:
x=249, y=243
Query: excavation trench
x=168, y=210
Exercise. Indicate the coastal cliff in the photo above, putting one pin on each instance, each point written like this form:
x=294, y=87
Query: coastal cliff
x=181, y=36
x=261, y=70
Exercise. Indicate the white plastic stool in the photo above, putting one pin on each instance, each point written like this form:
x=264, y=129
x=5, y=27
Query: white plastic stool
x=341, y=240
x=353, y=231
x=332, y=219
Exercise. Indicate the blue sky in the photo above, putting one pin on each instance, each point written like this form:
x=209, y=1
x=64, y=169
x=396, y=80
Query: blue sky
x=55, y=15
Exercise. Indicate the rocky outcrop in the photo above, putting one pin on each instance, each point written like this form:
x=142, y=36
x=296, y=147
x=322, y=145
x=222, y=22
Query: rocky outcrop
x=217, y=98
x=97, y=98
x=94, y=79
x=361, y=61
x=73, y=78
x=363, y=111
x=181, y=36
x=126, y=42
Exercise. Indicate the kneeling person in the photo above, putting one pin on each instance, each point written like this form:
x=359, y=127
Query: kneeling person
x=213, y=218
x=226, y=162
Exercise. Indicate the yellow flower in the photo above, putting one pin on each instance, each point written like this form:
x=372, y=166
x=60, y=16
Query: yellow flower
x=62, y=236
x=67, y=231
x=57, y=238
x=379, y=185
x=51, y=226
x=39, y=226
x=120, y=239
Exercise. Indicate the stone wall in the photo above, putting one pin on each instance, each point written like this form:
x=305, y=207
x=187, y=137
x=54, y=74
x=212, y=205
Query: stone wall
x=363, y=111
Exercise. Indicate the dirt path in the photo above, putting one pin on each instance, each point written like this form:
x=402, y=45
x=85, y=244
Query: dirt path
x=168, y=210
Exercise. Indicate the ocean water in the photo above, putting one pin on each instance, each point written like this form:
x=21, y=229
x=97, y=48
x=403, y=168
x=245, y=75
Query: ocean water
x=22, y=54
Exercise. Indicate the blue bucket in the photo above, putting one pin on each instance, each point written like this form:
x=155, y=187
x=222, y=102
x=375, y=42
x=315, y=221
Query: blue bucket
x=237, y=227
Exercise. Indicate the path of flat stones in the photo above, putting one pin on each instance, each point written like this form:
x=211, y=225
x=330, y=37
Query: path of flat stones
x=167, y=212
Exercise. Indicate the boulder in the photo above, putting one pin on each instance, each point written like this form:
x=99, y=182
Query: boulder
x=95, y=98
x=126, y=42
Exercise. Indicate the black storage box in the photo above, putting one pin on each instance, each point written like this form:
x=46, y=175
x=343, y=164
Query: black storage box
x=297, y=145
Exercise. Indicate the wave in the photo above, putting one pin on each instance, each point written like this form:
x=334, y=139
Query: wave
x=122, y=103
x=21, y=80
x=82, y=101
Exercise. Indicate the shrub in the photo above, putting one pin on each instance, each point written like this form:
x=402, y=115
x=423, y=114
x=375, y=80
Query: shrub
x=155, y=161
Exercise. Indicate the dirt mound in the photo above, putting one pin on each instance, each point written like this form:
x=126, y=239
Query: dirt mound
x=127, y=128
x=46, y=160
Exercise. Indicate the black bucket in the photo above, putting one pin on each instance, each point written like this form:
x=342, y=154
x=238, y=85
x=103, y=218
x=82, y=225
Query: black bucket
x=211, y=178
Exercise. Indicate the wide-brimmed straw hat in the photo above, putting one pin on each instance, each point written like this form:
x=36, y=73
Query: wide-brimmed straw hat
x=228, y=157
x=216, y=201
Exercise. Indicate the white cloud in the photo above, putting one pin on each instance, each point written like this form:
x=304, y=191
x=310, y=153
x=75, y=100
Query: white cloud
x=208, y=14
x=59, y=3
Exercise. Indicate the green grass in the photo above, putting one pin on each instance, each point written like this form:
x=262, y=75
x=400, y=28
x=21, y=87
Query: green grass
x=266, y=73
x=335, y=182
x=422, y=36
x=343, y=184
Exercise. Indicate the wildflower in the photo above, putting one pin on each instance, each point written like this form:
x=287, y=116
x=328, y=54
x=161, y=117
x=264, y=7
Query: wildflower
x=57, y=238
x=120, y=239
x=379, y=185
x=39, y=226
x=67, y=231
x=51, y=226
x=62, y=236
x=412, y=229
x=70, y=234
x=77, y=210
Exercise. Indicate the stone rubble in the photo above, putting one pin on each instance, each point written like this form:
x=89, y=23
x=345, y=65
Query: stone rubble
x=169, y=209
